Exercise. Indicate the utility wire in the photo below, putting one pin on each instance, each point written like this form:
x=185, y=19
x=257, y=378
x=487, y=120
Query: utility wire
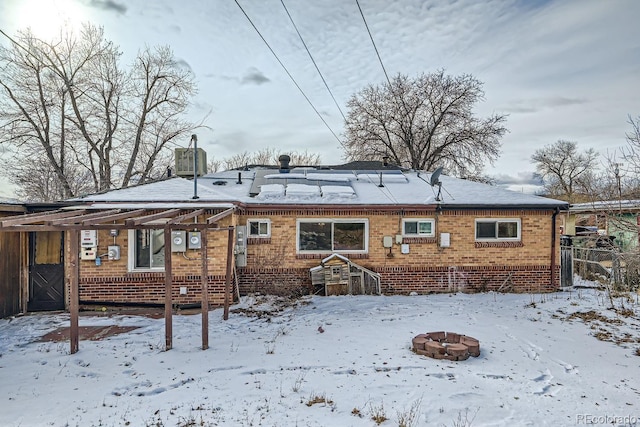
x=374, y=43
x=313, y=60
x=289, y=74
x=393, y=92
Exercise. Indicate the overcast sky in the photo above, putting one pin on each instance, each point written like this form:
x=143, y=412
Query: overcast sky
x=560, y=69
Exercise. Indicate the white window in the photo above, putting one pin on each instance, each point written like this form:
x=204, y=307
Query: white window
x=146, y=250
x=418, y=227
x=497, y=229
x=336, y=272
x=259, y=227
x=333, y=235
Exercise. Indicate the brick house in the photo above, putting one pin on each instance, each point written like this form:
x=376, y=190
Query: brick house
x=268, y=228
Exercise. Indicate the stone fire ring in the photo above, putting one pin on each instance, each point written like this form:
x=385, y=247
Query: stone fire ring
x=446, y=345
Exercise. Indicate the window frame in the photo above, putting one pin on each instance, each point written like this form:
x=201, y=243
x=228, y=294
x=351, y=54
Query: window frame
x=132, y=255
x=332, y=221
x=497, y=221
x=259, y=221
x=431, y=221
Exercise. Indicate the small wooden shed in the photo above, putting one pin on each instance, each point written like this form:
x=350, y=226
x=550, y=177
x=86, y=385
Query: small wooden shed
x=337, y=275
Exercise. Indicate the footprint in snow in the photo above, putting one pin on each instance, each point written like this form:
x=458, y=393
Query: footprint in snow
x=546, y=376
x=548, y=390
x=531, y=353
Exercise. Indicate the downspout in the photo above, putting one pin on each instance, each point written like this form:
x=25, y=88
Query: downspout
x=553, y=245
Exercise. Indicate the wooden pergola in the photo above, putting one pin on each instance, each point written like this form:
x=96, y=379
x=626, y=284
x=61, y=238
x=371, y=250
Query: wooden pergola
x=72, y=220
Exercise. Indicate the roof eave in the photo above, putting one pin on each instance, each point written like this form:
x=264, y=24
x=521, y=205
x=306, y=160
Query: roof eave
x=561, y=206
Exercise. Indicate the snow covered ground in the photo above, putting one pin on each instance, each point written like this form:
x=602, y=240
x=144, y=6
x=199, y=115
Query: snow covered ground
x=270, y=365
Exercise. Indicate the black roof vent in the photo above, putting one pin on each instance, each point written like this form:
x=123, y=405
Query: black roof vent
x=284, y=163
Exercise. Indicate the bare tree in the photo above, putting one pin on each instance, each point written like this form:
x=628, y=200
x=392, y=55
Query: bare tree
x=631, y=156
x=269, y=156
x=161, y=91
x=32, y=108
x=565, y=171
x=214, y=165
x=424, y=123
x=37, y=176
x=70, y=101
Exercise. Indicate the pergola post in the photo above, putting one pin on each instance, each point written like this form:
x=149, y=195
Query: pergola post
x=168, y=304
x=205, y=291
x=74, y=251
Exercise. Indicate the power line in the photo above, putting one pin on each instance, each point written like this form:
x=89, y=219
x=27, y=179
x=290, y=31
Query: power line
x=313, y=60
x=374, y=43
x=289, y=74
x=393, y=92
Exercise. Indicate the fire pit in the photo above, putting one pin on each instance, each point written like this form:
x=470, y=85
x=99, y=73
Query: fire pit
x=446, y=345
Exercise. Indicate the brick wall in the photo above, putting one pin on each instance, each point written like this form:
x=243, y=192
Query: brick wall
x=113, y=282
x=534, y=248
x=405, y=280
x=274, y=281
x=467, y=279
x=275, y=267
x=149, y=289
x=476, y=266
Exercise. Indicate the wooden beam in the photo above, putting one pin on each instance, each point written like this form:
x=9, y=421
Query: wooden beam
x=74, y=238
x=227, y=283
x=146, y=226
x=79, y=218
x=190, y=215
x=24, y=271
x=114, y=217
x=168, y=305
x=31, y=218
x=205, y=291
x=219, y=216
x=170, y=213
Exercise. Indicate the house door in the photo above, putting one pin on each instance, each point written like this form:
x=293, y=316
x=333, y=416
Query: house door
x=46, y=271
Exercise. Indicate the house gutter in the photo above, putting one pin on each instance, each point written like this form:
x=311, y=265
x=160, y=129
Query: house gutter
x=501, y=207
x=345, y=207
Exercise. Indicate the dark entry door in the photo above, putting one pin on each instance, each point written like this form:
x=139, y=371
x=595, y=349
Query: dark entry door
x=46, y=266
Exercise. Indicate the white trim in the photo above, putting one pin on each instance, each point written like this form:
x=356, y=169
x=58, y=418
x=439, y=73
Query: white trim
x=497, y=221
x=131, y=258
x=364, y=221
x=418, y=221
x=259, y=220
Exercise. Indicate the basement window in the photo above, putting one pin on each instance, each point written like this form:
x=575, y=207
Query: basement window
x=332, y=235
x=259, y=227
x=418, y=227
x=497, y=230
x=146, y=250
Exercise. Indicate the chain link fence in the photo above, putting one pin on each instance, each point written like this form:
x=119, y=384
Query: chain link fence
x=617, y=270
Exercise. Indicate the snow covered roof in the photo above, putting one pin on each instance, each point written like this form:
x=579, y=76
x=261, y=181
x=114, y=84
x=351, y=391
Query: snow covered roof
x=169, y=190
x=329, y=187
x=605, y=205
x=5, y=201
